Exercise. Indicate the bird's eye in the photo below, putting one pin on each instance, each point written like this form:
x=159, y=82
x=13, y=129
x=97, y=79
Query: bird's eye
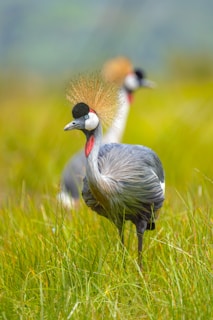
x=86, y=117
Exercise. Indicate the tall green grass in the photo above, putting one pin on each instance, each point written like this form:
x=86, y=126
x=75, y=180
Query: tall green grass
x=56, y=264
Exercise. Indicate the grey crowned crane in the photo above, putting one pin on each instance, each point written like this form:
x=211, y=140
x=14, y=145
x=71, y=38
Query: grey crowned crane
x=120, y=71
x=123, y=181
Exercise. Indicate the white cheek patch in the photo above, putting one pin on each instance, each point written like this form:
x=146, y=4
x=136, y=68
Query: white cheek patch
x=131, y=82
x=92, y=122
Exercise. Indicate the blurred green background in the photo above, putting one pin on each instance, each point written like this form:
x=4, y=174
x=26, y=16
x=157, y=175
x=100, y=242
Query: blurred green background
x=57, y=37
x=43, y=44
x=51, y=265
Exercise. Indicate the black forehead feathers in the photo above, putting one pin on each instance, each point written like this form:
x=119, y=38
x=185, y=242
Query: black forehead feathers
x=80, y=110
x=140, y=73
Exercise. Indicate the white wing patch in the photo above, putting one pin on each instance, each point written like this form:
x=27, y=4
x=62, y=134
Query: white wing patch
x=162, y=184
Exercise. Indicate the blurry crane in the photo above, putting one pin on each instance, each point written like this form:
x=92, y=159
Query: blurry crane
x=121, y=72
x=123, y=181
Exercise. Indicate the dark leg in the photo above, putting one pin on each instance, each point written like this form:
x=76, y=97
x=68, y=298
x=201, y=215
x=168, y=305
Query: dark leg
x=141, y=226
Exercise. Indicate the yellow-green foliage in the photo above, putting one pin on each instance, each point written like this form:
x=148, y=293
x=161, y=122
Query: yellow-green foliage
x=56, y=264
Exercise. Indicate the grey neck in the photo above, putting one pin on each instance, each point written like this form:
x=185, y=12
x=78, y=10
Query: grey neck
x=98, y=182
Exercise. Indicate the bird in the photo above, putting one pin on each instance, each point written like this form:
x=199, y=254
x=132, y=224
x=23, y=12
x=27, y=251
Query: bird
x=118, y=70
x=122, y=181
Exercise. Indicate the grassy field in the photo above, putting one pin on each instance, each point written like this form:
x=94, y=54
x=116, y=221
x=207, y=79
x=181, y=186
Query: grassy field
x=56, y=264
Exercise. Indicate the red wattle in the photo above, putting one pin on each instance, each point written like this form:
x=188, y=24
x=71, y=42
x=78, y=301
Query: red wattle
x=130, y=97
x=89, y=145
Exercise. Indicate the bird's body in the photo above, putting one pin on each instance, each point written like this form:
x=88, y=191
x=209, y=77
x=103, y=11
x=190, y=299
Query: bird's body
x=129, y=80
x=123, y=182
x=131, y=179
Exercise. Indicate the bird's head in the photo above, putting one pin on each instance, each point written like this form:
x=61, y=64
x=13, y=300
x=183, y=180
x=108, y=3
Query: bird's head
x=94, y=101
x=84, y=118
x=137, y=79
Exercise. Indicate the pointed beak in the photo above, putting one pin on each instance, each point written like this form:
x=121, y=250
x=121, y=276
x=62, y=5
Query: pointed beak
x=78, y=123
x=70, y=126
x=148, y=83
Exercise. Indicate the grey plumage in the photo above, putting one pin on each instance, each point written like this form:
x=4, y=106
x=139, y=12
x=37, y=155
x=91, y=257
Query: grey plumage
x=73, y=175
x=123, y=182
x=134, y=179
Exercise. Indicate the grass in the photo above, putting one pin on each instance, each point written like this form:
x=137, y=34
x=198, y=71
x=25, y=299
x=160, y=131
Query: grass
x=56, y=264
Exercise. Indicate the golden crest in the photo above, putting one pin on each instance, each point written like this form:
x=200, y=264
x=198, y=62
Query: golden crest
x=116, y=69
x=98, y=94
